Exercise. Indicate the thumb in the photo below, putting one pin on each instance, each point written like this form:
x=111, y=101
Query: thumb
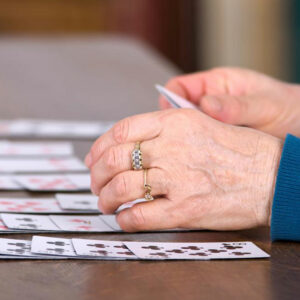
x=236, y=110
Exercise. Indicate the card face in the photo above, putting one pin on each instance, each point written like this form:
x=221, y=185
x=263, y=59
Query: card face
x=15, y=247
x=28, y=222
x=16, y=128
x=35, y=149
x=52, y=246
x=111, y=221
x=102, y=248
x=25, y=165
x=80, y=202
x=46, y=182
x=195, y=251
x=175, y=100
x=7, y=183
x=82, y=181
x=29, y=205
x=81, y=223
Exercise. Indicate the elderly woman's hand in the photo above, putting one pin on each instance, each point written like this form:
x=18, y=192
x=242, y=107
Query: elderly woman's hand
x=204, y=174
x=242, y=97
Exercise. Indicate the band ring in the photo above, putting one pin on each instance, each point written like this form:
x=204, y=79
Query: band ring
x=147, y=187
x=137, y=157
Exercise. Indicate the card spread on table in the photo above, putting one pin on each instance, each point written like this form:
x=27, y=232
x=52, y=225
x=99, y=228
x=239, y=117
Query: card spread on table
x=52, y=246
x=8, y=183
x=29, y=205
x=16, y=127
x=14, y=149
x=54, y=182
x=28, y=222
x=198, y=251
x=15, y=247
x=175, y=100
x=28, y=165
x=102, y=248
x=81, y=223
x=111, y=221
x=79, y=202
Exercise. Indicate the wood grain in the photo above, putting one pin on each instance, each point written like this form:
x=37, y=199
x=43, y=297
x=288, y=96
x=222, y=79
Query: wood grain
x=274, y=278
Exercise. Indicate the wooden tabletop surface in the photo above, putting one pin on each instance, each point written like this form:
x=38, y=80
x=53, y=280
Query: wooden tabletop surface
x=107, y=79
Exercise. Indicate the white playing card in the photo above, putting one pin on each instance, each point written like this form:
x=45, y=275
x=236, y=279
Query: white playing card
x=175, y=100
x=16, y=127
x=111, y=221
x=52, y=246
x=130, y=204
x=29, y=205
x=82, y=181
x=102, y=248
x=195, y=251
x=35, y=149
x=20, y=248
x=81, y=223
x=25, y=165
x=7, y=183
x=48, y=183
x=80, y=202
x=28, y=222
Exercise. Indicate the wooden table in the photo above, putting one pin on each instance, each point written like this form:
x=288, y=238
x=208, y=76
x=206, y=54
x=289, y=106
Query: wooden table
x=107, y=79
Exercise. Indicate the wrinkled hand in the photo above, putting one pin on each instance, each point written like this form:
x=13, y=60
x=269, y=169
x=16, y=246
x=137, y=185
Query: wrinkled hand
x=204, y=174
x=242, y=97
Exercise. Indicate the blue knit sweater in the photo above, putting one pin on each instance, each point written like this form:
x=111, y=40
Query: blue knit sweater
x=285, y=220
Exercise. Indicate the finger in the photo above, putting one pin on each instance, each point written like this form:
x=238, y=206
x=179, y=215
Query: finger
x=132, y=129
x=238, y=110
x=147, y=216
x=117, y=159
x=129, y=186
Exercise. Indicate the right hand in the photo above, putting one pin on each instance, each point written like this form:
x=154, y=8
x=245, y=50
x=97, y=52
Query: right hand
x=242, y=97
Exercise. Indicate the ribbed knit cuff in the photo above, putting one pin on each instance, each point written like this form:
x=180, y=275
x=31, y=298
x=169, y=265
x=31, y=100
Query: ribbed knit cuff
x=285, y=219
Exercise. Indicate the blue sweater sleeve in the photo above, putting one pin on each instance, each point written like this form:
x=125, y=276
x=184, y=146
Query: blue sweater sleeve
x=285, y=219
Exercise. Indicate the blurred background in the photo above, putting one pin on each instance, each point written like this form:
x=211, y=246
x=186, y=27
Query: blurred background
x=193, y=34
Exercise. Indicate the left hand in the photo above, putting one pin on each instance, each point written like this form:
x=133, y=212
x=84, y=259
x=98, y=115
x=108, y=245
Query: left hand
x=204, y=174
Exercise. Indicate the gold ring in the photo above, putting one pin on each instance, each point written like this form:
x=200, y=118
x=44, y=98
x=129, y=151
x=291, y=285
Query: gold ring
x=147, y=187
x=137, y=157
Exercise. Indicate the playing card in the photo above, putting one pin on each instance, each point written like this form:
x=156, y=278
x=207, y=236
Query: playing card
x=52, y=246
x=29, y=205
x=35, y=149
x=80, y=202
x=25, y=165
x=175, y=100
x=111, y=221
x=80, y=223
x=7, y=183
x=48, y=182
x=28, y=222
x=195, y=251
x=82, y=181
x=16, y=127
x=130, y=204
x=20, y=249
x=102, y=248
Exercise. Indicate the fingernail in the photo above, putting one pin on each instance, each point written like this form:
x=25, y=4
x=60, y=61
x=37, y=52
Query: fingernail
x=214, y=103
x=88, y=160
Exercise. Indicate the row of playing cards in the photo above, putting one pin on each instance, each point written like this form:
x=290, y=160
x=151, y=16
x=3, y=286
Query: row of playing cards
x=42, y=247
x=46, y=183
x=52, y=128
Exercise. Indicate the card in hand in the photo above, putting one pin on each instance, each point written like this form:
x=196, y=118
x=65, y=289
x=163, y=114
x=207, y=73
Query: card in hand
x=7, y=183
x=52, y=246
x=102, y=248
x=80, y=202
x=81, y=223
x=47, y=183
x=111, y=221
x=25, y=165
x=28, y=222
x=29, y=205
x=195, y=251
x=35, y=149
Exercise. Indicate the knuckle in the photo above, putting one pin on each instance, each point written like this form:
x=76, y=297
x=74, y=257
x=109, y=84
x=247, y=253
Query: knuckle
x=121, y=186
x=137, y=217
x=121, y=131
x=112, y=157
